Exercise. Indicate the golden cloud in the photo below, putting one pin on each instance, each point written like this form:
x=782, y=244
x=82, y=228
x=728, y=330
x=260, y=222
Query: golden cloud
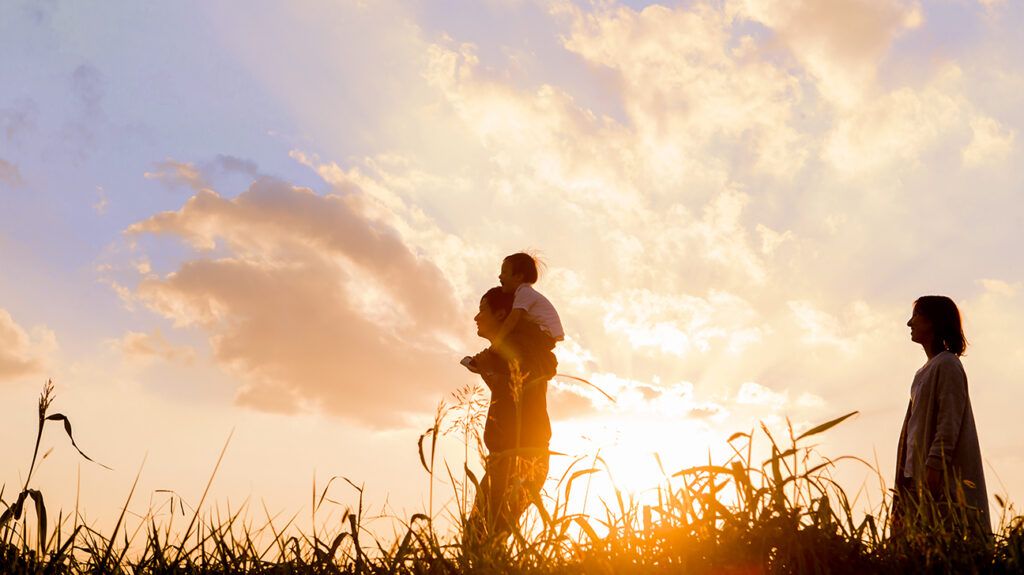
x=147, y=346
x=22, y=353
x=839, y=42
x=309, y=301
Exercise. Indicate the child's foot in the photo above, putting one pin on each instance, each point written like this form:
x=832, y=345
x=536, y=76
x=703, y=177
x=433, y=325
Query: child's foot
x=470, y=364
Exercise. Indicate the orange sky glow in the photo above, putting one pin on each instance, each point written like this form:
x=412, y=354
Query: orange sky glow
x=213, y=234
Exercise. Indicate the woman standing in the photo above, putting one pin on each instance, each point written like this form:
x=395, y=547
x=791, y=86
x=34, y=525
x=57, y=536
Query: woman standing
x=938, y=458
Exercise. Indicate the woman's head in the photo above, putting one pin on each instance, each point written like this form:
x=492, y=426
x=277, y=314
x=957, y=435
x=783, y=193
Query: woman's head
x=495, y=306
x=936, y=323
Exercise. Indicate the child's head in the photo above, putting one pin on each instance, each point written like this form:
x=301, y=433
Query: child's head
x=517, y=269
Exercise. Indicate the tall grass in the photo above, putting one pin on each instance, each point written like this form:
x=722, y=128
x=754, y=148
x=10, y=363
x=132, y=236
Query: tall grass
x=781, y=514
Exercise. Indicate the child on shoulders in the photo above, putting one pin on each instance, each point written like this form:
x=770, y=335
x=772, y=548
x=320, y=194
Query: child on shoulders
x=518, y=274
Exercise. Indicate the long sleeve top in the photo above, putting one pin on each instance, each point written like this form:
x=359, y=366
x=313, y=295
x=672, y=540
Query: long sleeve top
x=939, y=430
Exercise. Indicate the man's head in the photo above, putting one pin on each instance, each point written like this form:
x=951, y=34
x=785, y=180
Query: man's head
x=495, y=306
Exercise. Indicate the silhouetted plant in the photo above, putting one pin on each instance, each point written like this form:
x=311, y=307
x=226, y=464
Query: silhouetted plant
x=780, y=514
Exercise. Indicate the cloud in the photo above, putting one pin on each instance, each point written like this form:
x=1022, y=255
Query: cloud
x=578, y=175
x=751, y=393
x=681, y=324
x=10, y=175
x=310, y=302
x=757, y=178
x=144, y=347
x=22, y=353
x=689, y=81
x=992, y=4
x=706, y=88
x=896, y=130
x=232, y=164
x=839, y=42
x=666, y=242
x=18, y=120
x=818, y=327
x=994, y=286
x=87, y=85
x=102, y=201
x=632, y=398
x=994, y=361
x=173, y=173
x=990, y=143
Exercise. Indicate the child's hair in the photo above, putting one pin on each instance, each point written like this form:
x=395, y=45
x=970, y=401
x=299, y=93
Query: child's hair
x=525, y=264
x=945, y=318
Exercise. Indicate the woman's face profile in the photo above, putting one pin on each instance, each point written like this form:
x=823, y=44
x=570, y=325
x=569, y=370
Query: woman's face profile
x=921, y=330
x=487, y=322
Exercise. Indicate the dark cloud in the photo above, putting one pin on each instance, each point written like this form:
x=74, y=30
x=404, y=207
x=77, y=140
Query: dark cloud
x=232, y=164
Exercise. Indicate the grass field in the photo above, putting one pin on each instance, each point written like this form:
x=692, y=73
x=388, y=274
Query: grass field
x=782, y=514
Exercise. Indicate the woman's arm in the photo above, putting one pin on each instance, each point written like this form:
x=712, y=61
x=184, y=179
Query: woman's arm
x=951, y=403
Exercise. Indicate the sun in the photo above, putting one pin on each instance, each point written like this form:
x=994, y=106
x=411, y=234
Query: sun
x=632, y=456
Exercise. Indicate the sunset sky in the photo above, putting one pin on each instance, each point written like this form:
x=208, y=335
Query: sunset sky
x=277, y=218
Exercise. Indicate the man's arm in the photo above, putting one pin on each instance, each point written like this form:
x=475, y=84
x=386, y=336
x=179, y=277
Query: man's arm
x=491, y=367
x=508, y=326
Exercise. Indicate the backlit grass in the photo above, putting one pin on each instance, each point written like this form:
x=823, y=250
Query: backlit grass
x=782, y=514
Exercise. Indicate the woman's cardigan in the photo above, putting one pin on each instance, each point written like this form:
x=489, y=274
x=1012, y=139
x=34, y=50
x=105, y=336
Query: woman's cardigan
x=939, y=432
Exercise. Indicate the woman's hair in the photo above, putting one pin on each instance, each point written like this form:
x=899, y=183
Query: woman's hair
x=498, y=300
x=945, y=319
x=525, y=264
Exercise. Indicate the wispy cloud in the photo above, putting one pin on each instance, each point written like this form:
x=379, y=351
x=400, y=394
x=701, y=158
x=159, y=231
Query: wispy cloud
x=102, y=201
x=144, y=347
x=174, y=173
x=10, y=175
x=23, y=353
x=18, y=120
x=991, y=143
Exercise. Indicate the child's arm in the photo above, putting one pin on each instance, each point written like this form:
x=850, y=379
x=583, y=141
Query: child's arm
x=508, y=326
